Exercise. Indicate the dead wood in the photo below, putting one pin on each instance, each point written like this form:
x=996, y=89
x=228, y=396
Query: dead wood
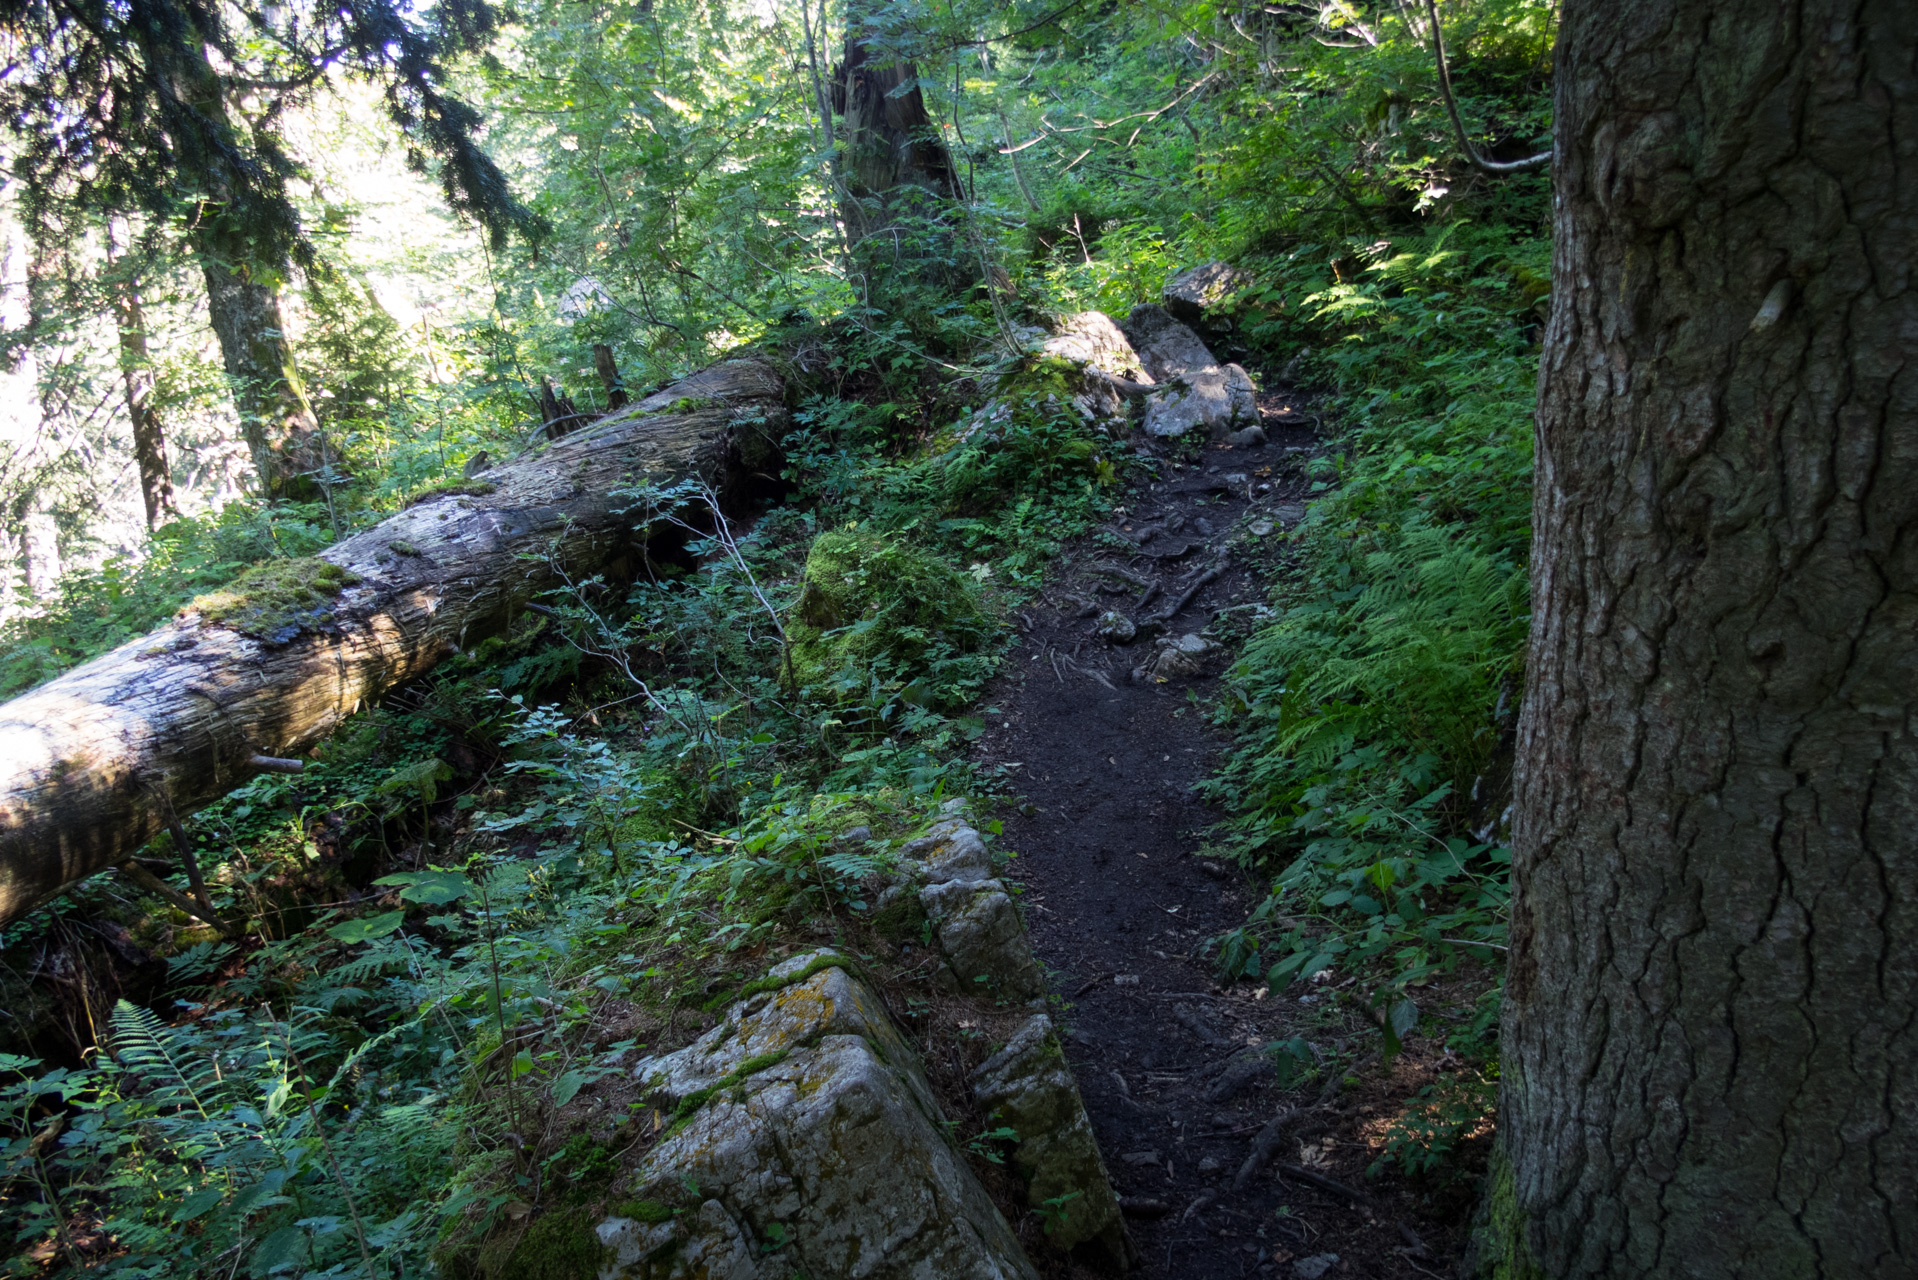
x=89, y=760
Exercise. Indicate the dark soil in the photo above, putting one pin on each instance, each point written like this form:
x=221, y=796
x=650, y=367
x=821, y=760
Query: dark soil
x=1120, y=908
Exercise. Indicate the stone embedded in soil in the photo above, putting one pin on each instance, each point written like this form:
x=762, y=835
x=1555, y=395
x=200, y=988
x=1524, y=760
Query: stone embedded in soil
x=816, y=1147
x=1115, y=627
x=974, y=922
x=1028, y=1087
x=1219, y=398
x=1180, y=657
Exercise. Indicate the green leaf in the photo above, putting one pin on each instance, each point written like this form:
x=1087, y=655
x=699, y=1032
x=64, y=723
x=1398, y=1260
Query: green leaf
x=566, y=1086
x=198, y=1203
x=433, y=888
x=367, y=929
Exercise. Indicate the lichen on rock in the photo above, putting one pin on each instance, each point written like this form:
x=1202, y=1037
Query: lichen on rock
x=1028, y=1087
x=832, y=1160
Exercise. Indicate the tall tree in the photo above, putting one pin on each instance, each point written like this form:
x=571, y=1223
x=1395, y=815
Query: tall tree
x=136, y=374
x=173, y=107
x=1712, y=1006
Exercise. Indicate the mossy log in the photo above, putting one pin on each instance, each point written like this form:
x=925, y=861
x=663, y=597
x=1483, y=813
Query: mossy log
x=268, y=667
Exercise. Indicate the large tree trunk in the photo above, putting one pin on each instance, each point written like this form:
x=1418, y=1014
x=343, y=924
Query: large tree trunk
x=897, y=182
x=85, y=759
x=136, y=371
x=281, y=431
x=1711, y=1039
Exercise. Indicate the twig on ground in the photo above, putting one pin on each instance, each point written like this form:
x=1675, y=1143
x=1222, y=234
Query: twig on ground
x=1300, y=1173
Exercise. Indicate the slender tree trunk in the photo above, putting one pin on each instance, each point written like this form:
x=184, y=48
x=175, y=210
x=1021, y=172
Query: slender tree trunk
x=136, y=371
x=280, y=427
x=1710, y=1060
x=243, y=301
x=90, y=761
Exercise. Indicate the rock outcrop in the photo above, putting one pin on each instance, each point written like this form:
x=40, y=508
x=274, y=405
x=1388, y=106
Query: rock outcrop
x=1111, y=368
x=1219, y=398
x=805, y=1140
x=974, y=922
x=1191, y=293
x=802, y=1136
x=1028, y=1088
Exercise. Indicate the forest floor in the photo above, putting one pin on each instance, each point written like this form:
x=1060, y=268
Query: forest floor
x=1104, y=757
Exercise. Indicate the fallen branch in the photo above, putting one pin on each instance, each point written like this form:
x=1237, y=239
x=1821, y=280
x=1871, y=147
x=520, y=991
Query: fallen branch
x=1526, y=165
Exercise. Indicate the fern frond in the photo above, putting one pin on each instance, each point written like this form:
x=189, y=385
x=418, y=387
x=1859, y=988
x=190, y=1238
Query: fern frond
x=174, y=1068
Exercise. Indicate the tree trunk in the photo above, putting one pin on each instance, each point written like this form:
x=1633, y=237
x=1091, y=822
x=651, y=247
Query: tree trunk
x=1712, y=1008
x=897, y=181
x=281, y=431
x=136, y=370
x=269, y=670
x=608, y=370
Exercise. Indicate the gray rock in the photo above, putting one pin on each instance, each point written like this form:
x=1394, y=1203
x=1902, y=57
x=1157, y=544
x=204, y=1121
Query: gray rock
x=1028, y=1087
x=1093, y=342
x=1191, y=292
x=1116, y=627
x=983, y=940
x=1180, y=657
x=974, y=922
x=1220, y=398
x=1314, y=1267
x=1246, y=438
x=817, y=1128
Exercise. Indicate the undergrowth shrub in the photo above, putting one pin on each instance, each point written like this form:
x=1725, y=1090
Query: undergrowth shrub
x=1372, y=715
x=876, y=610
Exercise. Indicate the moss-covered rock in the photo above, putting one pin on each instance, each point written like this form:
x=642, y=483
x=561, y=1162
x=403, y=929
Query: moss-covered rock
x=874, y=604
x=277, y=600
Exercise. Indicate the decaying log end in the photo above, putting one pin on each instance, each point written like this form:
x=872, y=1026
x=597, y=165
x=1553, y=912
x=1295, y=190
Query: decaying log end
x=252, y=677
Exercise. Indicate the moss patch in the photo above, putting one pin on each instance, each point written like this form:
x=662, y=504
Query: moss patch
x=650, y=1212
x=278, y=600
x=557, y=1246
x=453, y=489
x=769, y=983
x=692, y=1102
x=1500, y=1244
x=875, y=606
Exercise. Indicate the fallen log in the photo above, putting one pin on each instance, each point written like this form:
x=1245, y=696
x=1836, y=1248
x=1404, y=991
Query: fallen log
x=244, y=680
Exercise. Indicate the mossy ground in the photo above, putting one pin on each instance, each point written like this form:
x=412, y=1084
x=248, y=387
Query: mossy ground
x=277, y=600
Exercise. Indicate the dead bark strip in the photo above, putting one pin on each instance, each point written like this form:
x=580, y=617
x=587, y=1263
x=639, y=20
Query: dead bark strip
x=198, y=707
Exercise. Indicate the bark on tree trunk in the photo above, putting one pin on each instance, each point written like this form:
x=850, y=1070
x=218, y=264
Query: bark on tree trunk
x=136, y=370
x=1710, y=1059
x=184, y=712
x=608, y=370
x=897, y=181
x=281, y=429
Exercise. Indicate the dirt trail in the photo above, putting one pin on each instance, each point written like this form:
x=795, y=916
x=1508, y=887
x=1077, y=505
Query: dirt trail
x=1119, y=908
